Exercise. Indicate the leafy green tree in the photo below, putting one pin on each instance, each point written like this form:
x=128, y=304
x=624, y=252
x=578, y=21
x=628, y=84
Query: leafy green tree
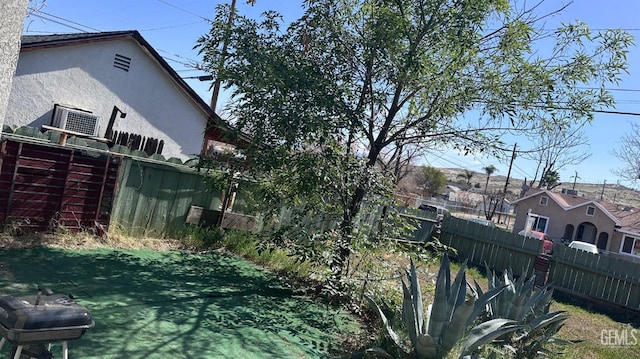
x=323, y=98
x=550, y=180
x=432, y=180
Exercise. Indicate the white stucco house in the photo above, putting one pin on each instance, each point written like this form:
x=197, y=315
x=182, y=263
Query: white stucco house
x=110, y=85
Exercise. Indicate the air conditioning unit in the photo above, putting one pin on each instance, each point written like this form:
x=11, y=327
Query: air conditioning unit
x=76, y=120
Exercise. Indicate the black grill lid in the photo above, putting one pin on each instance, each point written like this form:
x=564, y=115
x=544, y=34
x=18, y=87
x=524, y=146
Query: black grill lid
x=54, y=311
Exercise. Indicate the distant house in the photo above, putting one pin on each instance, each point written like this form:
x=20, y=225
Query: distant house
x=568, y=216
x=114, y=86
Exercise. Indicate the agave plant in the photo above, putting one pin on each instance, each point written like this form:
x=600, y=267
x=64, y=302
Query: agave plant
x=530, y=309
x=435, y=333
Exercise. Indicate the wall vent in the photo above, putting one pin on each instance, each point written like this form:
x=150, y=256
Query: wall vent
x=122, y=62
x=76, y=120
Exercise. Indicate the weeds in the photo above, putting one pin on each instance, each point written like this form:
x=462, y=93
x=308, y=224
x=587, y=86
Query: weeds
x=200, y=238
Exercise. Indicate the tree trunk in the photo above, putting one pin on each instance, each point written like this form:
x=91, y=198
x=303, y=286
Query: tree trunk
x=342, y=246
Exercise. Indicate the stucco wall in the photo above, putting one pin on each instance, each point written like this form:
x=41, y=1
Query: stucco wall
x=559, y=219
x=84, y=76
x=557, y=216
x=13, y=13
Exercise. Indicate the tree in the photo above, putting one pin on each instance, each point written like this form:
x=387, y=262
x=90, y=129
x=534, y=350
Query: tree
x=489, y=170
x=491, y=201
x=629, y=154
x=432, y=180
x=467, y=176
x=550, y=180
x=555, y=148
x=326, y=97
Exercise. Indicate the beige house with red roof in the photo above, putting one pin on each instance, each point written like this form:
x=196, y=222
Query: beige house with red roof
x=569, y=217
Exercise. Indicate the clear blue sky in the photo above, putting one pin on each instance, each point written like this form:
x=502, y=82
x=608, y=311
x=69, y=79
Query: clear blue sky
x=173, y=26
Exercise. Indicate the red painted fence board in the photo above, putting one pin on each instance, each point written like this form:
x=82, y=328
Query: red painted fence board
x=46, y=187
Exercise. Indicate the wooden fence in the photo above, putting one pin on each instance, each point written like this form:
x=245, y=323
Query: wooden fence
x=602, y=278
x=596, y=276
x=46, y=186
x=495, y=247
x=156, y=198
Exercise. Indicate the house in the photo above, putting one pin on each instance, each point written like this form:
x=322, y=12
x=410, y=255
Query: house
x=567, y=216
x=112, y=86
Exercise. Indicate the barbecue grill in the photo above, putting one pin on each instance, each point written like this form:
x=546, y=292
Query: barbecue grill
x=32, y=323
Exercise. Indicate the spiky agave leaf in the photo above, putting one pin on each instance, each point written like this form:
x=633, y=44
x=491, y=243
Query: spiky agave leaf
x=417, y=298
x=537, y=303
x=547, y=320
x=505, y=301
x=536, y=344
x=427, y=317
x=396, y=339
x=478, y=293
x=409, y=313
x=482, y=301
x=439, y=309
x=492, y=283
x=524, y=288
x=455, y=328
x=458, y=293
x=486, y=332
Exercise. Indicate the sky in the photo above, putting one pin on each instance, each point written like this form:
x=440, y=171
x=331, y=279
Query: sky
x=172, y=27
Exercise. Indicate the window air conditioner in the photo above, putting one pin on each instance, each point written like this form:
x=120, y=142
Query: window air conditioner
x=76, y=120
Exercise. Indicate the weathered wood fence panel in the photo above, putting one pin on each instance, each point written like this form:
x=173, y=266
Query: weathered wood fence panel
x=494, y=247
x=154, y=198
x=593, y=276
x=597, y=277
x=43, y=186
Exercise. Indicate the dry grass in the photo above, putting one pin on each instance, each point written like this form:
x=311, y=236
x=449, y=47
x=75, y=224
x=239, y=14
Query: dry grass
x=85, y=240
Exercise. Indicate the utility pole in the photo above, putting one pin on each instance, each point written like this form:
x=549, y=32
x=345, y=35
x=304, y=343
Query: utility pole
x=575, y=178
x=506, y=183
x=225, y=42
x=228, y=196
x=602, y=193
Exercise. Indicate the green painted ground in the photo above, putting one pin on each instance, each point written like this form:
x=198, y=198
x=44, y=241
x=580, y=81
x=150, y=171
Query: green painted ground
x=149, y=304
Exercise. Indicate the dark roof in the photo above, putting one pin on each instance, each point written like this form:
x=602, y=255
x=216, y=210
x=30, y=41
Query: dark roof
x=62, y=39
x=33, y=42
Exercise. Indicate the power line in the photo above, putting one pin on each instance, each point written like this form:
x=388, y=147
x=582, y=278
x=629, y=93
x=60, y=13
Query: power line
x=59, y=23
x=67, y=20
x=185, y=10
x=170, y=27
x=607, y=112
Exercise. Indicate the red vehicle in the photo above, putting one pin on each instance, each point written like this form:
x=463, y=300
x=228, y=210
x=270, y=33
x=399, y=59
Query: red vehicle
x=547, y=245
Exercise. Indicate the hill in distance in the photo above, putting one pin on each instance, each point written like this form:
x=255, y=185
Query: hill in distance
x=612, y=193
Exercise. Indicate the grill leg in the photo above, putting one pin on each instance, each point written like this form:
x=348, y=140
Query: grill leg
x=4, y=340
x=18, y=352
x=65, y=350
